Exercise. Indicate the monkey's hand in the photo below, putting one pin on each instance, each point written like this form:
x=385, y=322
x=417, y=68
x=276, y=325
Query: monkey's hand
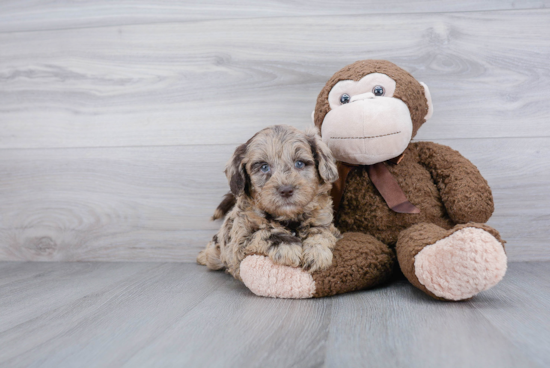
x=464, y=192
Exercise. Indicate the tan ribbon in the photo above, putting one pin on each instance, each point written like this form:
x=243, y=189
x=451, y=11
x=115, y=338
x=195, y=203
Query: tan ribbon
x=383, y=181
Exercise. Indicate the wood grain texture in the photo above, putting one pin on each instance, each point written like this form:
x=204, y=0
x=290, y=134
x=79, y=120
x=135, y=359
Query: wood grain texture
x=116, y=119
x=110, y=204
x=237, y=329
x=18, y=16
x=120, y=313
x=517, y=172
x=400, y=326
x=527, y=289
x=168, y=314
x=217, y=82
x=154, y=203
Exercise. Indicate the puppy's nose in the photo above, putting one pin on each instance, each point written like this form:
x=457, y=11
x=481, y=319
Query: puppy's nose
x=286, y=191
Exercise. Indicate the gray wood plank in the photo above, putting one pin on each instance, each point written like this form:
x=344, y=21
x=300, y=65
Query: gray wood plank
x=520, y=309
x=110, y=204
x=234, y=328
x=18, y=16
x=400, y=326
x=154, y=203
x=168, y=314
x=65, y=284
x=218, y=82
x=100, y=321
x=525, y=249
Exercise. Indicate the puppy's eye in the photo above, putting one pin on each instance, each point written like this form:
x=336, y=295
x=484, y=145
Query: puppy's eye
x=265, y=168
x=299, y=164
x=345, y=98
x=378, y=91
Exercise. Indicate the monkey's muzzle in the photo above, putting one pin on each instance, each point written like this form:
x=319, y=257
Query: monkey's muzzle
x=368, y=129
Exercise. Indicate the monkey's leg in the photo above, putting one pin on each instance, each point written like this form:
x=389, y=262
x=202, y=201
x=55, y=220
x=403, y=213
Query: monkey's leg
x=451, y=264
x=360, y=261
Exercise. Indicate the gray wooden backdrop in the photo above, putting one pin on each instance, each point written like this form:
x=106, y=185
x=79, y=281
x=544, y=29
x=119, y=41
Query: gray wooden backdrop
x=116, y=118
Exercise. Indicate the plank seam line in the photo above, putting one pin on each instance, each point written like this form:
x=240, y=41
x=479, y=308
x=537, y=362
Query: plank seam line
x=533, y=9
x=237, y=143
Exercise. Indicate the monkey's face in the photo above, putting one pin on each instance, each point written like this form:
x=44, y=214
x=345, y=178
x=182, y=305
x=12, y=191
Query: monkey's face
x=366, y=119
x=365, y=124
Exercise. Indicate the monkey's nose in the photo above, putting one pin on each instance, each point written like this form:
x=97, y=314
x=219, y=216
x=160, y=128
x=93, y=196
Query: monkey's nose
x=362, y=96
x=286, y=191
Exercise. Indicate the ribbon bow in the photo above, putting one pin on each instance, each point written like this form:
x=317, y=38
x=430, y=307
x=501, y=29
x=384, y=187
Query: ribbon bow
x=382, y=179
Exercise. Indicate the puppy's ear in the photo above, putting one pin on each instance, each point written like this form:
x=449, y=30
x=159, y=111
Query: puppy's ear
x=235, y=171
x=324, y=160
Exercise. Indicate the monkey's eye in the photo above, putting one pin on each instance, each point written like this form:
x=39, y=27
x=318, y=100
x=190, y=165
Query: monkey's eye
x=378, y=91
x=299, y=164
x=345, y=98
x=265, y=168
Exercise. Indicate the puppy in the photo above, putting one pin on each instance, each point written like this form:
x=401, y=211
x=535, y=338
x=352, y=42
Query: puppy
x=279, y=205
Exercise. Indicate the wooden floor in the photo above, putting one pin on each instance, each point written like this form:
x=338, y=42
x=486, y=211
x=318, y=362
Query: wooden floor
x=172, y=314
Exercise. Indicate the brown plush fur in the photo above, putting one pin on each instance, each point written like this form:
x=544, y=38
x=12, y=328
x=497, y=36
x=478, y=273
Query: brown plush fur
x=446, y=187
x=294, y=231
x=360, y=261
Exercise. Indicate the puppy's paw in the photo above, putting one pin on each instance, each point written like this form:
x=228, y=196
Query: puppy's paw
x=317, y=257
x=286, y=254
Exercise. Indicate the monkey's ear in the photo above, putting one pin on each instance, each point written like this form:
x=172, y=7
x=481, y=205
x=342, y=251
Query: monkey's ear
x=429, y=99
x=235, y=171
x=324, y=160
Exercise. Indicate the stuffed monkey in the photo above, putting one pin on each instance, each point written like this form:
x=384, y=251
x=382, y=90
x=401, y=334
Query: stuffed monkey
x=419, y=206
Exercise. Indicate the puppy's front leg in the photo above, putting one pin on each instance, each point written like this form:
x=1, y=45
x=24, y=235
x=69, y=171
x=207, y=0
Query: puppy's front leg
x=285, y=249
x=318, y=248
x=282, y=248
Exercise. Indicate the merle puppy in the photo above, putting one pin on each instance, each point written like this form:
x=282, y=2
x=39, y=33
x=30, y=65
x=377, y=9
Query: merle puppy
x=279, y=205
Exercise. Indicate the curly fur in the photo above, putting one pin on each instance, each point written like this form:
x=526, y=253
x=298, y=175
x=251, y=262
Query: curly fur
x=295, y=231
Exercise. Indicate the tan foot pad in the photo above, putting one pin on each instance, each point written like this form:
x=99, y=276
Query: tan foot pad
x=265, y=278
x=458, y=267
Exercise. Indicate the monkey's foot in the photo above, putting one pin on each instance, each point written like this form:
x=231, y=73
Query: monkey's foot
x=461, y=265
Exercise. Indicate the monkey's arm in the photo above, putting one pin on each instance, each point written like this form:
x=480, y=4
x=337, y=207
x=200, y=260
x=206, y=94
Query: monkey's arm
x=464, y=192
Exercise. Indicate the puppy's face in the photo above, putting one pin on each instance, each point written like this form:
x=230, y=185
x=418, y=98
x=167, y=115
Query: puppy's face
x=281, y=169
